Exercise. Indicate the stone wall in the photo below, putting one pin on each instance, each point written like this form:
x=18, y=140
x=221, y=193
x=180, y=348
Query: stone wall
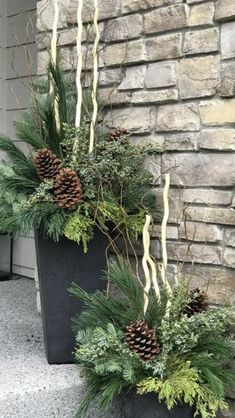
x=167, y=73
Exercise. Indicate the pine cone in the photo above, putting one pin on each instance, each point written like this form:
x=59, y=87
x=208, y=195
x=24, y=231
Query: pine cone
x=47, y=164
x=117, y=133
x=198, y=303
x=142, y=340
x=67, y=189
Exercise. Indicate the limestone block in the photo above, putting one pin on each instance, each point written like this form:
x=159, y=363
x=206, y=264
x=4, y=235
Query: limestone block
x=134, y=78
x=228, y=40
x=221, y=216
x=124, y=28
x=172, y=232
x=107, y=10
x=176, y=204
x=193, y=1
x=166, y=18
x=221, y=282
x=217, y=139
x=153, y=164
x=207, y=197
x=178, y=117
x=121, y=53
x=225, y=10
x=45, y=14
x=197, y=231
x=198, y=253
x=230, y=237
x=111, y=96
x=134, y=5
x=202, y=14
x=200, y=169
x=229, y=257
x=135, y=119
x=202, y=41
x=161, y=74
x=164, y=47
x=69, y=35
x=198, y=77
x=227, y=86
x=110, y=76
x=217, y=112
x=178, y=142
x=158, y=96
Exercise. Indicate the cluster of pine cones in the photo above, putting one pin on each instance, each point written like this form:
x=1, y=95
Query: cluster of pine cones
x=143, y=340
x=67, y=186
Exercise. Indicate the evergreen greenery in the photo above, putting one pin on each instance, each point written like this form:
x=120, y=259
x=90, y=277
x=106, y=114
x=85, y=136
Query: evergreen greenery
x=192, y=367
x=115, y=185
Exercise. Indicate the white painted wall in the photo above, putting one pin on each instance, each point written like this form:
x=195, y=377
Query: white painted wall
x=17, y=43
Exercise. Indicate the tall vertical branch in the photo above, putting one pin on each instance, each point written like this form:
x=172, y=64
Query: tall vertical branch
x=79, y=64
x=54, y=58
x=95, y=77
x=146, y=244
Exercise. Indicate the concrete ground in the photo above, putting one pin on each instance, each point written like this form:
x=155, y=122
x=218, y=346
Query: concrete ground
x=29, y=387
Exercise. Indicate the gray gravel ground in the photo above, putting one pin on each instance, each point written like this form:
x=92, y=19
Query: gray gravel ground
x=29, y=387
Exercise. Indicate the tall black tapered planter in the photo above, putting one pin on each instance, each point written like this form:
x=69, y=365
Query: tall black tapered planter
x=148, y=406
x=60, y=264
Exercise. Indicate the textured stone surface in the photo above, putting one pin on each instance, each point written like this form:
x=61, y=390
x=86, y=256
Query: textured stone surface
x=227, y=86
x=110, y=76
x=228, y=40
x=200, y=169
x=230, y=237
x=210, y=278
x=197, y=253
x=124, y=28
x=225, y=10
x=207, y=197
x=179, y=142
x=193, y=1
x=110, y=96
x=201, y=41
x=134, y=5
x=158, y=96
x=180, y=117
x=107, y=9
x=202, y=14
x=161, y=74
x=217, y=139
x=164, y=47
x=166, y=18
x=135, y=119
x=134, y=78
x=220, y=216
x=229, y=257
x=198, y=77
x=197, y=231
x=125, y=53
x=45, y=13
x=217, y=112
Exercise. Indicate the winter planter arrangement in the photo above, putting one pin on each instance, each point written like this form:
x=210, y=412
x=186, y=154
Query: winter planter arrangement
x=162, y=350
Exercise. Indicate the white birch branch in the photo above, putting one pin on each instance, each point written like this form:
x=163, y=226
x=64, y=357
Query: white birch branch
x=95, y=77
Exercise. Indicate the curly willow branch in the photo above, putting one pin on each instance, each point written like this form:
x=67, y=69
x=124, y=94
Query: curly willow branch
x=54, y=57
x=95, y=77
x=79, y=64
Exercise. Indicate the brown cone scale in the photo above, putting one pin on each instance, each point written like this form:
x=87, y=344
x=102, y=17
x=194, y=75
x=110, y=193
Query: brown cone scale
x=198, y=303
x=117, y=133
x=142, y=340
x=67, y=189
x=47, y=164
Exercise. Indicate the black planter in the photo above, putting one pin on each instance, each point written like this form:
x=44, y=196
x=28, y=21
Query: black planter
x=60, y=264
x=148, y=406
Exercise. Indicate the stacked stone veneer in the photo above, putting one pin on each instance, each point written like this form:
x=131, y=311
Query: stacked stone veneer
x=167, y=73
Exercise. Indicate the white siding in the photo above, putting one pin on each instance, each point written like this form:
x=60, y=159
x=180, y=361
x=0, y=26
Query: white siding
x=17, y=61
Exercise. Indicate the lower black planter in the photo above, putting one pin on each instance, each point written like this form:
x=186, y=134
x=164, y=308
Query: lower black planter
x=148, y=406
x=60, y=264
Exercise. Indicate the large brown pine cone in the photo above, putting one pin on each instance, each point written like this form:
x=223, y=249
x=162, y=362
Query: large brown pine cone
x=197, y=304
x=67, y=189
x=142, y=340
x=117, y=133
x=47, y=164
